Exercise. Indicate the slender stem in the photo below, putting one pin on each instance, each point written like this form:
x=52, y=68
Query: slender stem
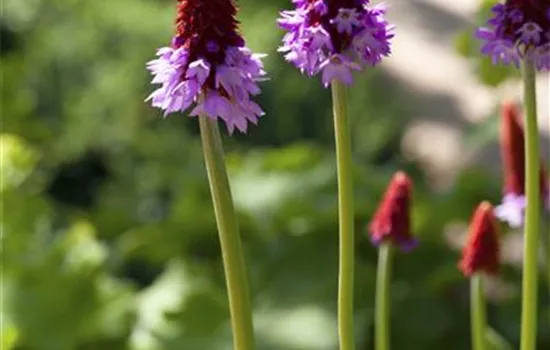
x=233, y=260
x=477, y=312
x=532, y=215
x=383, y=297
x=544, y=241
x=546, y=228
x=346, y=217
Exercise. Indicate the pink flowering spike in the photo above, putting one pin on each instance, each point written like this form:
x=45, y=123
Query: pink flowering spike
x=518, y=30
x=335, y=37
x=512, y=141
x=482, y=250
x=392, y=219
x=208, y=66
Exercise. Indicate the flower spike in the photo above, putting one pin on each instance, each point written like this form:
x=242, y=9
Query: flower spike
x=208, y=66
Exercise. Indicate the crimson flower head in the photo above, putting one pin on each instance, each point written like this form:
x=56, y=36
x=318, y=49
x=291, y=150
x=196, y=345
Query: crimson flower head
x=392, y=218
x=335, y=37
x=482, y=249
x=208, y=66
x=512, y=141
x=518, y=30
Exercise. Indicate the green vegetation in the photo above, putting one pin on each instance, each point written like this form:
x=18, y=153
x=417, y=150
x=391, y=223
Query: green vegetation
x=108, y=233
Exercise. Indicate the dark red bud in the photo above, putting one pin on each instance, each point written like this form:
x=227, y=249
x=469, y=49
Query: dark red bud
x=512, y=143
x=482, y=249
x=206, y=28
x=392, y=219
x=513, y=152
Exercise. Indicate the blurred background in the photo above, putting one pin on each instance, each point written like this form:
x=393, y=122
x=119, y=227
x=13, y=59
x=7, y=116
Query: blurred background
x=108, y=234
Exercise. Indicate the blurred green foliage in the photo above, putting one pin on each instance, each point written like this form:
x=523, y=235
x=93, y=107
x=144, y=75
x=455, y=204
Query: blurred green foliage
x=108, y=235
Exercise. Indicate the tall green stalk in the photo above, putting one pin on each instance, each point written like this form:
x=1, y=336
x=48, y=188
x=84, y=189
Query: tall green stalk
x=233, y=260
x=477, y=312
x=546, y=228
x=532, y=213
x=346, y=217
x=545, y=243
x=383, y=297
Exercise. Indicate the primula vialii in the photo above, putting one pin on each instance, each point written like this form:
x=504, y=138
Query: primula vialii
x=209, y=66
x=518, y=33
x=333, y=38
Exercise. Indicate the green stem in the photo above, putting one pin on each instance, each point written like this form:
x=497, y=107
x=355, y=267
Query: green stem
x=545, y=228
x=346, y=217
x=532, y=213
x=233, y=260
x=383, y=297
x=477, y=312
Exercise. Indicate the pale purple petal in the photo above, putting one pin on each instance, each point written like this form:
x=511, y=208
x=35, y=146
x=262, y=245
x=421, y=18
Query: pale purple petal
x=338, y=67
x=530, y=33
x=199, y=69
x=512, y=209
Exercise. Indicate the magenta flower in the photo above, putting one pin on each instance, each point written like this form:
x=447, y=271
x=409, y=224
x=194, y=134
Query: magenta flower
x=518, y=30
x=208, y=66
x=335, y=37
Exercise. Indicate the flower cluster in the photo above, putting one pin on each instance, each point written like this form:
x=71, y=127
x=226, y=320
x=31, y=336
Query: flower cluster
x=482, y=249
x=208, y=66
x=518, y=30
x=335, y=37
x=512, y=209
x=392, y=219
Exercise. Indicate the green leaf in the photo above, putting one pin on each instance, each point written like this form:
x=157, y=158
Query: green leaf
x=465, y=43
x=9, y=334
x=494, y=74
x=18, y=160
x=496, y=341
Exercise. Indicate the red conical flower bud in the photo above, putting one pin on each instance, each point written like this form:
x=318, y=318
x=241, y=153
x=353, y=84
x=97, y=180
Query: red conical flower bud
x=482, y=249
x=513, y=159
x=513, y=152
x=392, y=219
